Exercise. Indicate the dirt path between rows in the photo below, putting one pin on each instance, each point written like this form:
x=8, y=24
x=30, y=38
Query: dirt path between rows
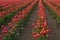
x=26, y=34
x=54, y=28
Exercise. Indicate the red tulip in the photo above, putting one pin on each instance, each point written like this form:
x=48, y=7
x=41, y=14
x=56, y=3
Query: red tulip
x=33, y=25
x=0, y=36
x=44, y=24
x=5, y=28
x=14, y=20
x=42, y=32
x=4, y=31
x=47, y=36
x=13, y=27
x=15, y=17
x=47, y=30
x=9, y=32
x=2, y=26
x=20, y=16
x=10, y=25
x=1, y=15
x=36, y=36
x=33, y=33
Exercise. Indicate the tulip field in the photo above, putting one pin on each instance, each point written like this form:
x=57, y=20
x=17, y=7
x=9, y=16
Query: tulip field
x=29, y=19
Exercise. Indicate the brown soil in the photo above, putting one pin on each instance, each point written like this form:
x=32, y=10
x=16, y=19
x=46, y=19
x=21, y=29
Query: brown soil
x=54, y=33
x=54, y=28
x=26, y=34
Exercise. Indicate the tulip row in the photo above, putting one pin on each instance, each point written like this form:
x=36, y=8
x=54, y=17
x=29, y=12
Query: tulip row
x=40, y=28
x=57, y=2
x=9, y=30
x=7, y=17
x=53, y=7
x=53, y=10
x=12, y=9
x=20, y=2
x=9, y=5
x=54, y=4
x=2, y=14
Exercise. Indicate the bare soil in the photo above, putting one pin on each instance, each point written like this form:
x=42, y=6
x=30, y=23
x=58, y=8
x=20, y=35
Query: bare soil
x=54, y=28
x=26, y=34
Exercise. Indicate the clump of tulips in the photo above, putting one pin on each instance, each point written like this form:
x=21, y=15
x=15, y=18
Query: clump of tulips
x=10, y=29
x=54, y=10
x=40, y=28
x=55, y=2
x=18, y=4
x=53, y=7
x=8, y=15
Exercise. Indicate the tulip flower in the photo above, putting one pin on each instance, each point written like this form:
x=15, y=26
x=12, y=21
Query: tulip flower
x=2, y=26
x=33, y=33
x=1, y=15
x=0, y=36
x=32, y=24
x=47, y=30
x=47, y=36
x=41, y=23
x=36, y=36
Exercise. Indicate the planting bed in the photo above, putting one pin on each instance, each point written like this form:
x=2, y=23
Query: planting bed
x=29, y=20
